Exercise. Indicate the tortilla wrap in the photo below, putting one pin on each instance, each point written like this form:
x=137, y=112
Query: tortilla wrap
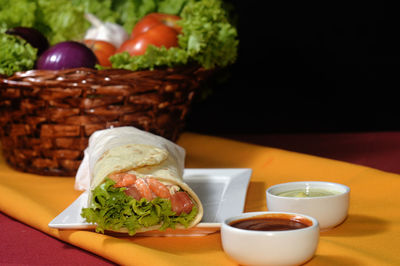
x=127, y=149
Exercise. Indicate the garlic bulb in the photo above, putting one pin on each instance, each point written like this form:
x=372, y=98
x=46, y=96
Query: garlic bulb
x=105, y=31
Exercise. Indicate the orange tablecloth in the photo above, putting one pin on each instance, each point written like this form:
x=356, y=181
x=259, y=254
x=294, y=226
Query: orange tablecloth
x=370, y=235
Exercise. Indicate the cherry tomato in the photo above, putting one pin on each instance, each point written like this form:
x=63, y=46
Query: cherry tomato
x=159, y=35
x=102, y=49
x=153, y=19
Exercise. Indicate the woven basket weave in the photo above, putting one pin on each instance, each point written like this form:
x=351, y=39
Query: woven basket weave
x=46, y=117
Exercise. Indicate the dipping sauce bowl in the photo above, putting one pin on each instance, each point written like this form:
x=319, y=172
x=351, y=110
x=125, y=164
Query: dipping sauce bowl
x=326, y=201
x=270, y=238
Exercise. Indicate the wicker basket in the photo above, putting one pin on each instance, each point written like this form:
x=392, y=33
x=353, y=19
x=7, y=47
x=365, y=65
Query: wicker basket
x=46, y=117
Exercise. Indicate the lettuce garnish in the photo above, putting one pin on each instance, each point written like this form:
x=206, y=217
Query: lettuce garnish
x=112, y=209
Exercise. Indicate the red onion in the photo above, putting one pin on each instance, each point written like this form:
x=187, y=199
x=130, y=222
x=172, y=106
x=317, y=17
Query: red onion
x=64, y=55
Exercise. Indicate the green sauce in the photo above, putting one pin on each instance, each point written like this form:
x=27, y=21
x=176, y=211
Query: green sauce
x=307, y=193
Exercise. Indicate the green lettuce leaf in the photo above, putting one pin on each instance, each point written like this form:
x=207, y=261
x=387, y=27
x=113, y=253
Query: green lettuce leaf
x=173, y=7
x=60, y=20
x=208, y=36
x=16, y=54
x=112, y=209
x=17, y=13
x=153, y=57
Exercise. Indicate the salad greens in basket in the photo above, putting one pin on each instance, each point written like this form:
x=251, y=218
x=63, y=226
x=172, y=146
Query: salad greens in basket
x=208, y=37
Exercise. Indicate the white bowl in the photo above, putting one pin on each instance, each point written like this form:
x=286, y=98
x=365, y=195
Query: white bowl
x=290, y=247
x=330, y=211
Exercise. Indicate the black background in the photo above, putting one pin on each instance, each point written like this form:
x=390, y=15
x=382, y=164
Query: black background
x=308, y=67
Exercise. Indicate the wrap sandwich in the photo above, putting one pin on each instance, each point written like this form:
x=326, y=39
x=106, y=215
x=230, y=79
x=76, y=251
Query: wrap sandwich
x=136, y=183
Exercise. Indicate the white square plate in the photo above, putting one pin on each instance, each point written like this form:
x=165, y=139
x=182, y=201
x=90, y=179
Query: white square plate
x=221, y=191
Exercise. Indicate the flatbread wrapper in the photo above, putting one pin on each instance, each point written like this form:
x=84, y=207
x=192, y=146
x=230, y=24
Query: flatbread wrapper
x=125, y=149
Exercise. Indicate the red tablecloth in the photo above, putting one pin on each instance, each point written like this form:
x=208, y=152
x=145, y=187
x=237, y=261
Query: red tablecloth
x=21, y=244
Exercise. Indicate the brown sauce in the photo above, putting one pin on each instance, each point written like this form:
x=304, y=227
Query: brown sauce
x=273, y=222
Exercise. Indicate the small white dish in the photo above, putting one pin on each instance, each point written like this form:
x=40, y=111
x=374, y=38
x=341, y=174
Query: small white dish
x=289, y=247
x=329, y=210
x=221, y=191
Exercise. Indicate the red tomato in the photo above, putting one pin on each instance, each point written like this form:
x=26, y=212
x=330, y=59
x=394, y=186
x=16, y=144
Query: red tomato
x=153, y=19
x=146, y=23
x=159, y=35
x=102, y=49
